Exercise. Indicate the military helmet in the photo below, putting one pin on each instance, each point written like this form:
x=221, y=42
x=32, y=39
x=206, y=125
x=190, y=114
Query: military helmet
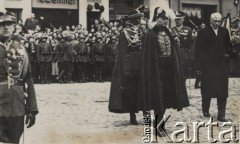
x=81, y=37
x=114, y=37
x=99, y=37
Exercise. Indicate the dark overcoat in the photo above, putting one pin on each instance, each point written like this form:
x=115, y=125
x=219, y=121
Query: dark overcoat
x=127, y=67
x=152, y=97
x=212, y=57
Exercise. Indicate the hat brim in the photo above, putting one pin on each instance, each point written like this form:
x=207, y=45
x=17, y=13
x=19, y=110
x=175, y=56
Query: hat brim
x=5, y=18
x=134, y=16
x=179, y=17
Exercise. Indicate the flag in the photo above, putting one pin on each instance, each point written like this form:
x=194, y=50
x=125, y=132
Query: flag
x=227, y=23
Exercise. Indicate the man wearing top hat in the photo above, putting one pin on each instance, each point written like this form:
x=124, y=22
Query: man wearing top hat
x=124, y=94
x=163, y=84
x=15, y=71
x=184, y=35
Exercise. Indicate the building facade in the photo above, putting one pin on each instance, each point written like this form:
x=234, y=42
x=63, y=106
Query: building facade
x=68, y=12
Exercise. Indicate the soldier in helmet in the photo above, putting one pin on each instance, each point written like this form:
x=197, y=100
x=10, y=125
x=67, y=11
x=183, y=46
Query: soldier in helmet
x=68, y=58
x=111, y=49
x=44, y=56
x=32, y=53
x=59, y=54
x=184, y=35
x=89, y=67
x=15, y=71
x=98, y=56
x=82, y=57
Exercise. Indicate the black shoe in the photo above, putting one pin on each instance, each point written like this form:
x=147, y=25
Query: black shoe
x=222, y=119
x=206, y=114
x=133, y=120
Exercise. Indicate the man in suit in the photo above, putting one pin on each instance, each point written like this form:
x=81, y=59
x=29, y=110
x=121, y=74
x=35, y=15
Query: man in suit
x=213, y=51
x=31, y=23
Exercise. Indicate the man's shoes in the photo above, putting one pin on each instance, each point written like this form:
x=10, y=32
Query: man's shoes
x=222, y=119
x=206, y=114
x=133, y=120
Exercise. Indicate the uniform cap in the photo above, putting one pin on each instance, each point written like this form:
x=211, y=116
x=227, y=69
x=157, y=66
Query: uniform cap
x=134, y=14
x=7, y=17
x=179, y=14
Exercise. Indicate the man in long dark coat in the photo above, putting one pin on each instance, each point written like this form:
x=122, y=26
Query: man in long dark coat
x=212, y=54
x=15, y=71
x=163, y=84
x=125, y=79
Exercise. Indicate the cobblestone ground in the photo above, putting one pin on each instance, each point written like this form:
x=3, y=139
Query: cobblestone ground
x=78, y=114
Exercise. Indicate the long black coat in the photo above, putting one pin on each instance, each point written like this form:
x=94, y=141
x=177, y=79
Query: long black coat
x=126, y=67
x=212, y=62
x=152, y=97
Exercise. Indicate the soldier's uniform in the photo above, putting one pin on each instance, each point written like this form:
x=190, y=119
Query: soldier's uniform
x=59, y=52
x=111, y=49
x=89, y=67
x=82, y=57
x=32, y=53
x=184, y=34
x=99, y=58
x=15, y=71
x=68, y=59
x=236, y=45
x=44, y=56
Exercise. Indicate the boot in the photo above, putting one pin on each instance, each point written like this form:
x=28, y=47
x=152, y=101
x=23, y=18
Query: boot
x=96, y=77
x=100, y=77
x=83, y=79
x=133, y=120
x=80, y=79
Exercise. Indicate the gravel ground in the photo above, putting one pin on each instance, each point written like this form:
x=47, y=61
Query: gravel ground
x=78, y=114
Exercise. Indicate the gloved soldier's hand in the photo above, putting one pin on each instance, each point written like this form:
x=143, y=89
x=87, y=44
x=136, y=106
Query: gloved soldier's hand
x=30, y=120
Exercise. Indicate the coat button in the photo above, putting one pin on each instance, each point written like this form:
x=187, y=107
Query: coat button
x=9, y=68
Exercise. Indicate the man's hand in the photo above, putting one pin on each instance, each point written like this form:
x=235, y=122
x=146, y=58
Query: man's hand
x=30, y=120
